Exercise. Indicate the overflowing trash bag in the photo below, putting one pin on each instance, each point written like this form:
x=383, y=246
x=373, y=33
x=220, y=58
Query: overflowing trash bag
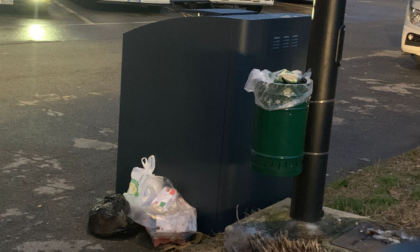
x=108, y=218
x=279, y=90
x=159, y=207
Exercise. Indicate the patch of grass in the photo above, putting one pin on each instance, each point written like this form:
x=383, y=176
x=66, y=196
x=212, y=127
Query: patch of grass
x=388, y=181
x=340, y=183
x=352, y=205
x=413, y=155
x=414, y=175
x=367, y=206
x=378, y=201
x=374, y=168
x=380, y=190
x=416, y=193
x=388, y=192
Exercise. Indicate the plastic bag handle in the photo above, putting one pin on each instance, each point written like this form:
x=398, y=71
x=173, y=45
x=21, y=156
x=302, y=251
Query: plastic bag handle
x=149, y=167
x=149, y=164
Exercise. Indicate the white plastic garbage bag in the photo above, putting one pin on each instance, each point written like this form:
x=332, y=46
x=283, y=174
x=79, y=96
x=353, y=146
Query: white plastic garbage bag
x=158, y=206
x=279, y=90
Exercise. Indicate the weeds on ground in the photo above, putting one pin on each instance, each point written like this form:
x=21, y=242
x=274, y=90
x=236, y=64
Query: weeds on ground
x=208, y=244
x=280, y=243
x=388, y=192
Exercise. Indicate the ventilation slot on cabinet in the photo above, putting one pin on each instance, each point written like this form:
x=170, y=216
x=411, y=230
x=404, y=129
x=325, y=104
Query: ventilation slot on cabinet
x=276, y=43
x=285, y=42
x=282, y=42
x=295, y=40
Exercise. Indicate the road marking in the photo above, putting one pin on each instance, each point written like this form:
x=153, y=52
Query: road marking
x=170, y=9
x=143, y=22
x=87, y=21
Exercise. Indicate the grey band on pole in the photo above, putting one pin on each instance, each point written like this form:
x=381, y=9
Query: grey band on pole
x=324, y=101
x=315, y=153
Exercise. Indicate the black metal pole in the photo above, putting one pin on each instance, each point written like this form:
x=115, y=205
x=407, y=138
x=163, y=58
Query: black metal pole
x=324, y=58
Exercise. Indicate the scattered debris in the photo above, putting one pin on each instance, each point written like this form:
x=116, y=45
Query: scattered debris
x=389, y=236
x=196, y=239
x=109, y=218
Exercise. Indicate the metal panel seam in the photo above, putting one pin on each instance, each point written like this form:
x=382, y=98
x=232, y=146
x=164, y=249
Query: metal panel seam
x=224, y=123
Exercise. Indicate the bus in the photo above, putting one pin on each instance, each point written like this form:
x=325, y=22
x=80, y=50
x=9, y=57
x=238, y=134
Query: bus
x=39, y=6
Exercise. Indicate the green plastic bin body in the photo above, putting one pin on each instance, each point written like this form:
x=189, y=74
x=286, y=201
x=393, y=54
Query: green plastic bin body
x=278, y=139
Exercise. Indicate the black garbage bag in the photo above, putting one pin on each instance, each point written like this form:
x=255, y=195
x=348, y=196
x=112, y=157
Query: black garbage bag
x=108, y=218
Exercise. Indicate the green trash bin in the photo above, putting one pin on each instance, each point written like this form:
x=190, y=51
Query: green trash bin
x=278, y=139
x=279, y=123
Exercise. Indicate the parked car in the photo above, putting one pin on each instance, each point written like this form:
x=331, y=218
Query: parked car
x=38, y=6
x=410, y=42
x=253, y=5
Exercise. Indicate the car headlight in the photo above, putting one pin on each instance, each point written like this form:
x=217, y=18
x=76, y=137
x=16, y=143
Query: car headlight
x=415, y=12
x=415, y=17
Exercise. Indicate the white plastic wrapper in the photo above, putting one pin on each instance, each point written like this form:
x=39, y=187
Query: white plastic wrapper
x=158, y=206
x=279, y=90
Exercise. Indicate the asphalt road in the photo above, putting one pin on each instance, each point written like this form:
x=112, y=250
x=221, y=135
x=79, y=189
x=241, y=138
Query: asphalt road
x=59, y=105
x=377, y=110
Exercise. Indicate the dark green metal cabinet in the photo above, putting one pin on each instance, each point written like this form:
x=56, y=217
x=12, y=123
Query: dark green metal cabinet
x=183, y=100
